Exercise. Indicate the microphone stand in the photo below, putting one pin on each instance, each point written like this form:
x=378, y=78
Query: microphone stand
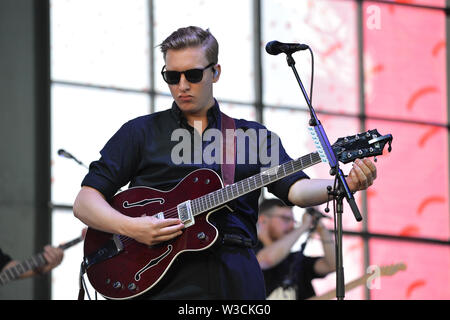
x=338, y=194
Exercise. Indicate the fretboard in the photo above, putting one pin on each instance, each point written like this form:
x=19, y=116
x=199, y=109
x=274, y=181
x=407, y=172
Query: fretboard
x=34, y=262
x=16, y=271
x=255, y=182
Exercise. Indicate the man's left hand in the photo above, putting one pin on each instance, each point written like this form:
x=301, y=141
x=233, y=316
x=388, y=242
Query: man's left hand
x=362, y=175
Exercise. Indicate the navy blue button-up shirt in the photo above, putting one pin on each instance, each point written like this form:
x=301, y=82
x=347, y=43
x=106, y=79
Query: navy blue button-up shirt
x=140, y=153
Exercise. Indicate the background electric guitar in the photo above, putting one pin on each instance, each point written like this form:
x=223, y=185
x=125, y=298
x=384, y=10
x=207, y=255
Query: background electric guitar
x=119, y=267
x=34, y=262
x=389, y=270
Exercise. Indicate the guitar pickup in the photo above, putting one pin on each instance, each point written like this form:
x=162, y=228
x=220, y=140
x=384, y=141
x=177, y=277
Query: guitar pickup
x=185, y=213
x=159, y=215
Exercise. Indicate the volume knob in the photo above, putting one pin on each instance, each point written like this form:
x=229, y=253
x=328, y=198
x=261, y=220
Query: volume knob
x=201, y=236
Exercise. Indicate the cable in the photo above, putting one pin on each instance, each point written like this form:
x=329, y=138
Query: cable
x=312, y=75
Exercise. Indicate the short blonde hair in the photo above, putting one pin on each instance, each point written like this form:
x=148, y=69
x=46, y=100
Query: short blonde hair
x=191, y=37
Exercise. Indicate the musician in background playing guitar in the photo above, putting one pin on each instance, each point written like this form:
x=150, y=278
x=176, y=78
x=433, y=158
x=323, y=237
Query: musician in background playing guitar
x=53, y=256
x=288, y=274
x=142, y=153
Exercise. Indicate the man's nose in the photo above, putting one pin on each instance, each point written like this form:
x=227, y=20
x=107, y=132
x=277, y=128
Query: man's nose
x=184, y=84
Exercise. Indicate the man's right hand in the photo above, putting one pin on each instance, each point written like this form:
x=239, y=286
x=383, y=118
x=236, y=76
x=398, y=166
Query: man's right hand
x=150, y=230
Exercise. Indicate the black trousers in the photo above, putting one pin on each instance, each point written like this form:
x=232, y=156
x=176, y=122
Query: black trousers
x=218, y=273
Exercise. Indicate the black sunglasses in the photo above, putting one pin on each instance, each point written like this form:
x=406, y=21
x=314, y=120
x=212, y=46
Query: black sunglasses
x=192, y=75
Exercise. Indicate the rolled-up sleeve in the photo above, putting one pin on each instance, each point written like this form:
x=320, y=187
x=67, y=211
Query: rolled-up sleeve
x=117, y=164
x=281, y=187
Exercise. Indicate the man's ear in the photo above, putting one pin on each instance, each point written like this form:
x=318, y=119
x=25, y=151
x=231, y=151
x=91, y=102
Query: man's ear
x=216, y=72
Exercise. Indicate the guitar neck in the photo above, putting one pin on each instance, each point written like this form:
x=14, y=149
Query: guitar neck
x=349, y=286
x=31, y=263
x=255, y=182
x=71, y=243
x=16, y=271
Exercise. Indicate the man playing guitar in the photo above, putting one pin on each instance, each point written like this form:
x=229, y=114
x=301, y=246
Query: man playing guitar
x=141, y=152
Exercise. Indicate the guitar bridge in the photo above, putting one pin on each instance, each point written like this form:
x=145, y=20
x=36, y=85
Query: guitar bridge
x=185, y=213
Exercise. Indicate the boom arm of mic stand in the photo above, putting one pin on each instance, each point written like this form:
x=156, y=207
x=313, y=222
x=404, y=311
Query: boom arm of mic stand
x=325, y=143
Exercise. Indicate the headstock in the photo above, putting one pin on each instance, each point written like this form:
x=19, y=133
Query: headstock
x=362, y=145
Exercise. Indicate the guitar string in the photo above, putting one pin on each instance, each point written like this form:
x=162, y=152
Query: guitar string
x=173, y=212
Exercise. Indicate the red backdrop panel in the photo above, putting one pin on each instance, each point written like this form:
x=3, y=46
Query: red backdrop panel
x=427, y=274
x=410, y=195
x=405, y=64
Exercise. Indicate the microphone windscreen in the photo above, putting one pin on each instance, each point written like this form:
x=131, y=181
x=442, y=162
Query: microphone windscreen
x=273, y=48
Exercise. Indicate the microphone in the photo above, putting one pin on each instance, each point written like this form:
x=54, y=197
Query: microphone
x=316, y=213
x=65, y=154
x=276, y=47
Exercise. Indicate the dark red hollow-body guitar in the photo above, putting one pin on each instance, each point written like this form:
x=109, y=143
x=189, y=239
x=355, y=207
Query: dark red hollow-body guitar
x=121, y=268
x=138, y=267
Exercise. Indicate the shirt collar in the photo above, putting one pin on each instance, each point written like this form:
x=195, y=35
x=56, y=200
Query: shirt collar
x=213, y=114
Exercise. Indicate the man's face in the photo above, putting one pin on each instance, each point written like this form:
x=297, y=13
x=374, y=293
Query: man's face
x=281, y=222
x=192, y=98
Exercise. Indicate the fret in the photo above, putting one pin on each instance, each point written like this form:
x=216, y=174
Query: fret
x=239, y=188
x=205, y=201
x=243, y=188
x=265, y=179
x=9, y=273
x=225, y=194
x=221, y=193
x=284, y=170
x=27, y=265
x=199, y=205
x=34, y=263
x=260, y=180
x=205, y=206
x=194, y=207
x=15, y=272
x=3, y=278
x=208, y=200
x=216, y=198
x=211, y=200
x=20, y=268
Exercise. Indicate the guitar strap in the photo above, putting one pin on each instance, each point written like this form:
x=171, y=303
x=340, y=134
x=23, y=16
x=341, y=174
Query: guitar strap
x=228, y=149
